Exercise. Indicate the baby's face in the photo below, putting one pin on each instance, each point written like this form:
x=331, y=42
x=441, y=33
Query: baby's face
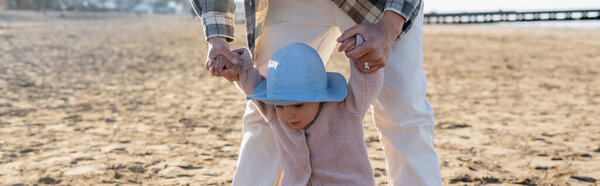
x=298, y=116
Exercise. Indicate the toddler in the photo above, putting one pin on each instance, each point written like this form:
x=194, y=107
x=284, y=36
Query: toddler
x=315, y=115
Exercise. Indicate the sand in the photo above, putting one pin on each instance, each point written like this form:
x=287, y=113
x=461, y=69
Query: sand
x=94, y=99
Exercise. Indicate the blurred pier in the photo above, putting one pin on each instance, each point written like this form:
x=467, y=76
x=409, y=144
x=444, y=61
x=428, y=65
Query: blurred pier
x=511, y=16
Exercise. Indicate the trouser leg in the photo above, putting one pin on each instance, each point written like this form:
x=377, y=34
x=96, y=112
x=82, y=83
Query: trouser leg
x=404, y=117
x=259, y=160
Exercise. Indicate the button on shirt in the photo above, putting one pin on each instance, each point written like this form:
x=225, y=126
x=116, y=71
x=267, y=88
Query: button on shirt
x=332, y=150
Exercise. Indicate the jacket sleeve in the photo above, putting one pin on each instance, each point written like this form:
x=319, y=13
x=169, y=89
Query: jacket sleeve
x=217, y=17
x=362, y=89
x=247, y=82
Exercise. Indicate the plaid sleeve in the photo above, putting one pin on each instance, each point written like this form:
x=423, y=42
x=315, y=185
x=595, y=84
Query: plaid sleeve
x=217, y=17
x=409, y=9
x=406, y=8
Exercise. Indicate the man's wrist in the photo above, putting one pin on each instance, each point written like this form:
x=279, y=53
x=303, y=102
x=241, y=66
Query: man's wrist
x=216, y=39
x=392, y=22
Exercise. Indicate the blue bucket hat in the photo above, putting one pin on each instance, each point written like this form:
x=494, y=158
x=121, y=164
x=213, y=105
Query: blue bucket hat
x=296, y=74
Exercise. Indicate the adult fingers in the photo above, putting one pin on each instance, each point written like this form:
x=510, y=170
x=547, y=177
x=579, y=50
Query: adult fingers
x=373, y=69
x=373, y=66
x=360, y=51
x=360, y=67
x=345, y=45
x=221, y=62
x=221, y=49
x=212, y=71
x=213, y=52
x=229, y=70
x=208, y=64
x=367, y=58
x=350, y=45
x=349, y=48
x=341, y=47
x=374, y=57
x=350, y=33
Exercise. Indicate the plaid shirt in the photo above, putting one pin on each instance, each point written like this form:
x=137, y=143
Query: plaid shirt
x=217, y=15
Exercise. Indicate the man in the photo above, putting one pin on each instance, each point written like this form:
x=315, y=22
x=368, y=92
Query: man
x=392, y=31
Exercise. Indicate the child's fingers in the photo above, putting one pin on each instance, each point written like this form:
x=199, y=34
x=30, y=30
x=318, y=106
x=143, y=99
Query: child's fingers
x=243, y=55
x=240, y=52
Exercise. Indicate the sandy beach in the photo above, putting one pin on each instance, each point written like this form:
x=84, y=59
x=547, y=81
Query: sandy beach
x=118, y=99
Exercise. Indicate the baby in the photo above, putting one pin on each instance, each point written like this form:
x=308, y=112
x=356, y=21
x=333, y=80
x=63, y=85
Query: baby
x=315, y=115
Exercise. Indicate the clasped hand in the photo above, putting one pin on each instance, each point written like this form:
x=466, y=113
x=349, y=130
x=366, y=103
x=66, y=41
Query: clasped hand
x=379, y=39
x=230, y=70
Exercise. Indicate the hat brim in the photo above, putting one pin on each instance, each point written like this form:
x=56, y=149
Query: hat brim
x=336, y=91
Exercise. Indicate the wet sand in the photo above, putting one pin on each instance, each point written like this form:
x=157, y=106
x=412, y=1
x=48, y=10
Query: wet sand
x=89, y=99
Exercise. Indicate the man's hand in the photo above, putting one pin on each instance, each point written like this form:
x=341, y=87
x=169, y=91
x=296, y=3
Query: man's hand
x=219, y=56
x=348, y=45
x=233, y=69
x=379, y=39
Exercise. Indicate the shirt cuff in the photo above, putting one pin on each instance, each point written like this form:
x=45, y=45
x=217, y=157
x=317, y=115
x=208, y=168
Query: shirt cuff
x=218, y=24
x=403, y=7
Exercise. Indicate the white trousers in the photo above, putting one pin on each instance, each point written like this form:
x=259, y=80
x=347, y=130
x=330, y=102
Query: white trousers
x=403, y=116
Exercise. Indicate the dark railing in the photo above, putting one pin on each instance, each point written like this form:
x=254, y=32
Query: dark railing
x=511, y=16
